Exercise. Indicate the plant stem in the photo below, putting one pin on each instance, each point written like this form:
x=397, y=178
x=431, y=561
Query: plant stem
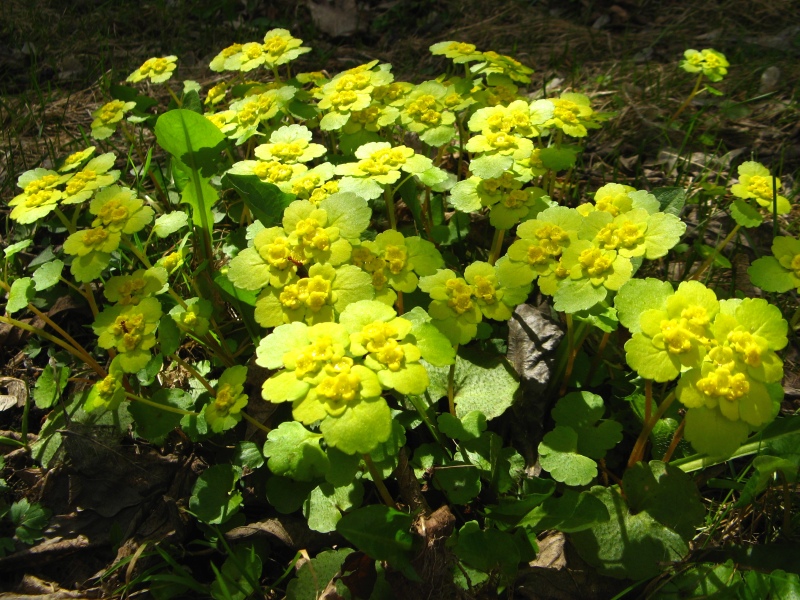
x=647, y=427
x=451, y=374
x=425, y=417
x=378, y=481
x=164, y=407
x=193, y=372
x=648, y=399
x=89, y=295
x=388, y=196
x=598, y=356
x=689, y=98
x=78, y=353
x=64, y=220
x=720, y=247
x=676, y=438
x=255, y=423
x=497, y=245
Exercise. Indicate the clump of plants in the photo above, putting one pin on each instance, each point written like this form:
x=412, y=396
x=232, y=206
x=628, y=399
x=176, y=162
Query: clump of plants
x=355, y=249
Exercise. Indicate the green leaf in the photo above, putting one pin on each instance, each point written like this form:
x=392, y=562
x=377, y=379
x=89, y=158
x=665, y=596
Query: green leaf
x=705, y=251
x=667, y=494
x=571, y=512
x=574, y=295
x=704, y=581
x=201, y=196
x=383, y=533
x=765, y=467
x=744, y=214
x=771, y=276
x=509, y=510
x=215, y=498
x=22, y=292
x=634, y=546
x=313, y=576
x=559, y=159
x=247, y=456
x=191, y=138
x=155, y=424
x=558, y=455
x=169, y=336
x=490, y=166
x=465, y=429
x=294, y=452
x=637, y=296
x=48, y=275
x=265, y=200
x=170, y=223
x=287, y=495
x=13, y=249
x=671, y=199
x=581, y=411
x=239, y=572
x=30, y=521
x=460, y=481
x=487, y=550
x=481, y=382
x=50, y=385
x=324, y=506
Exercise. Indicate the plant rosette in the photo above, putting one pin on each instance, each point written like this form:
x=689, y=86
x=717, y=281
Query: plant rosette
x=194, y=318
x=755, y=182
x=395, y=263
x=310, y=233
x=131, y=289
x=633, y=233
x=674, y=335
x=289, y=145
x=780, y=272
x=540, y=245
x=424, y=113
x=325, y=385
x=108, y=393
x=382, y=164
x=318, y=298
x=130, y=331
x=157, y=70
x=736, y=389
x=616, y=199
x=453, y=308
x=350, y=91
x=711, y=63
x=107, y=116
x=393, y=346
x=225, y=410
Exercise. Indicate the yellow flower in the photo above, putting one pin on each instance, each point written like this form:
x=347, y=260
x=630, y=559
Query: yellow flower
x=713, y=64
x=157, y=70
x=107, y=116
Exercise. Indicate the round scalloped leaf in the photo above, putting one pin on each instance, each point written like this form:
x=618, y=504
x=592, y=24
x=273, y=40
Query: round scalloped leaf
x=711, y=433
x=215, y=498
x=21, y=292
x=170, y=223
x=637, y=296
x=487, y=550
x=558, y=455
x=283, y=339
x=581, y=411
x=360, y=428
x=763, y=319
x=663, y=232
x=464, y=195
x=325, y=504
x=87, y=268
x=483, y=383
x=572, y=511
x=574, y=295
x=647, y=360
x=48, y=275
x=490, y=166
x=744, y=214
x=771, y=276
x=294, y=452
x=349, y=212
x=667, y=494
x=634, y=546
x=465, y=429
x=314, y=575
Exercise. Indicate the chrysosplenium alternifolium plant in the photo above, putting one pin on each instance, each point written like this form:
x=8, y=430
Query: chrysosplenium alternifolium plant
x=285, y=256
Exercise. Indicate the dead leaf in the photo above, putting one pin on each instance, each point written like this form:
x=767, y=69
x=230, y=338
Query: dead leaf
x=17, y=393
